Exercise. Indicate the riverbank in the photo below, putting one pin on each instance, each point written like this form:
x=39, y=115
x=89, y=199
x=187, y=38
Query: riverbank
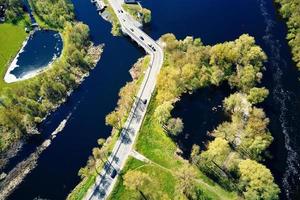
x=90, y=172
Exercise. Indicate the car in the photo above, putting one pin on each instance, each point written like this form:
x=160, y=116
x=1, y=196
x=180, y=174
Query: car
x=132, y=29
x=145, y=101
x=121, y=11
x=123, y=20
x=113, y=173
x=153, y=49
x=141, y=38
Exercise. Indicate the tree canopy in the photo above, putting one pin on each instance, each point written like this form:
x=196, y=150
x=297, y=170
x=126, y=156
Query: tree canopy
x=257, y=181
x=54, y=12
x=291, y=12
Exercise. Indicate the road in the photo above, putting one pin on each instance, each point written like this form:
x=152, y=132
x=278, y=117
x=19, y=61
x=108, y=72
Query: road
x=123, y=147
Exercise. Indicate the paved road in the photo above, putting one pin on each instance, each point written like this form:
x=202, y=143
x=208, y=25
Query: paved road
x=105, y=183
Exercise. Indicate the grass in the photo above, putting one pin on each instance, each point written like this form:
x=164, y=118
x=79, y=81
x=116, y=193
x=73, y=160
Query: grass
x=154, y=144
x=11, y=38
x=152, y=140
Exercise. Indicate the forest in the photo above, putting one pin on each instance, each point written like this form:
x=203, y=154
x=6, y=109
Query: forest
x=54, y=13
x=13, y=10
x=290, y=11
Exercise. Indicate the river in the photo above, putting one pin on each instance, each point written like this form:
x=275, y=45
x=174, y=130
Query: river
x=212, y=20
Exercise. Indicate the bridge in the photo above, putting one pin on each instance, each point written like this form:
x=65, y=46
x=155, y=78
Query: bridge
x=108, y=176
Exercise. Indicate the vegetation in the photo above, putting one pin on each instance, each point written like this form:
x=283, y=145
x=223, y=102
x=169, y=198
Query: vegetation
x=290, y=11
x=136, y=180
x=139, y=13
x=12, y=37
x=257, y=181
x=14, y=10
x=190, y=65
x=165, y=184
x=53, y=13
x=115, y=119
x=22, y=108
x=93, y=167
x=116, y=27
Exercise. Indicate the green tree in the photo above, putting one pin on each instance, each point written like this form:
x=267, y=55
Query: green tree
x=257, y=181
x=257, y=95
x=114, y=119
x=162, y=112
x=136, y=180
x=217, y=151
x=174, y=126
x=186, y=184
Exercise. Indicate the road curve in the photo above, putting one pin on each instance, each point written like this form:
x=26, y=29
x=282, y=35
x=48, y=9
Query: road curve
x=123, y=147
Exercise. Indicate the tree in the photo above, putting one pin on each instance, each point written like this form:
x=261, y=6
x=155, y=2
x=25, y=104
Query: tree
x=257, y=95
x=101, y=142
x=114, y=119
x=186, y=183
x=163, y=112
x=127, y=94
x=174, y=126
x=54, y=13
x=257, y=181
x=195, y=154
x=136, y=180
x=217, y=151
x=14, y=9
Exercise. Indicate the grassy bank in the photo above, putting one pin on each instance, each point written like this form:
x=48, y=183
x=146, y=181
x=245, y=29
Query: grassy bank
x=12, y=37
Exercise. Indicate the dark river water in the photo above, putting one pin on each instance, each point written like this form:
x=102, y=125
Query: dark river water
x=41, y=49
x=212, y=20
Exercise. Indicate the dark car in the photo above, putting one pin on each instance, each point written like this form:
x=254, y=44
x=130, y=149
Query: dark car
x=132, y=29
x=141, y=38
x=113, y=173
x=145, y=101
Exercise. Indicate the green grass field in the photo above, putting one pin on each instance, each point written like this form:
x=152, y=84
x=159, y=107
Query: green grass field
x=11, y=39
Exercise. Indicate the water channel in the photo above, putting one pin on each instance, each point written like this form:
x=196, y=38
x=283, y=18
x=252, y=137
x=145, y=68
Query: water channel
x=212, y=20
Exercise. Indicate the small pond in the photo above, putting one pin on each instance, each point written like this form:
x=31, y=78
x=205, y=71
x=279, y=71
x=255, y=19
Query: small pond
x=40, y=50
x=201, y=113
